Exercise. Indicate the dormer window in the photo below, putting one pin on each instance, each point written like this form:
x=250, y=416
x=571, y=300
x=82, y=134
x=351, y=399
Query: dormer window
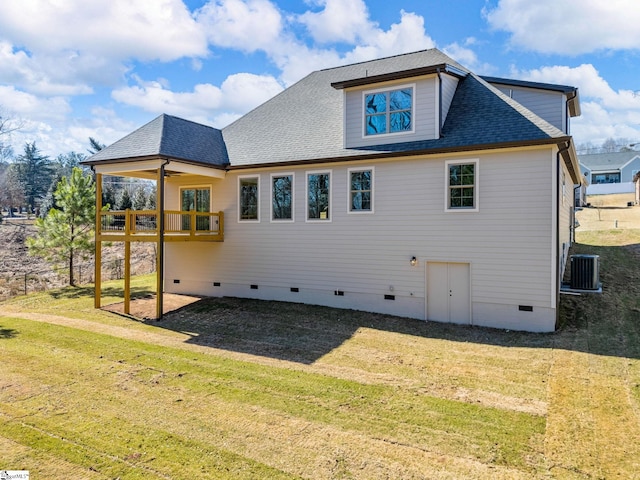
x=388, y=111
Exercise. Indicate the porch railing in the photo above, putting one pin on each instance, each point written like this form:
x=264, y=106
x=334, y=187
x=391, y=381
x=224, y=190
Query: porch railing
x=176, y=223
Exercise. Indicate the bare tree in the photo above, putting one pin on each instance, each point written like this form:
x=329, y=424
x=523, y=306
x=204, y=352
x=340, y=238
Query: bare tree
x=8, y=123
x=11, y=190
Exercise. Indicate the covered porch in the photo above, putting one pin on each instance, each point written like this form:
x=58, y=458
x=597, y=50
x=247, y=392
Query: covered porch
x=167, y=147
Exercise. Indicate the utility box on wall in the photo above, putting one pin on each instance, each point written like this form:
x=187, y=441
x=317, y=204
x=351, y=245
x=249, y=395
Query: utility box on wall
x=585, y=272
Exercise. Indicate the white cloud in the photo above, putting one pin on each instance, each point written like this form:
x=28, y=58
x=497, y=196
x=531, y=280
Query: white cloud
x=237, y=94
x=32, y=106
x=590, y=83
x=569, y=27
x=246, y=25
x=104, y=125
x=406, y=36
x=258, y=25
x=296, y=60
x=159, y=30
x=49, y=75
x=243, y=91
x=339, y=21
x=605, y=111
x=66, y=47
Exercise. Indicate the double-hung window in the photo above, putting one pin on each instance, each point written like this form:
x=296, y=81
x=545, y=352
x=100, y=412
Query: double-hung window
x=360, y=190
x=462, y=185
x=318, y=196
x=282, y=197
x=388, y=111
x=248, y=198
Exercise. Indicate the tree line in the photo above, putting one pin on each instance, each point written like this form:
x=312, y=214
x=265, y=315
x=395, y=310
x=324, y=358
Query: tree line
x=62, y=195
x=28, y=182
x=610, y=145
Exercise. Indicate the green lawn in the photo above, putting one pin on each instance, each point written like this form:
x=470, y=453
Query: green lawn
x=233, y=388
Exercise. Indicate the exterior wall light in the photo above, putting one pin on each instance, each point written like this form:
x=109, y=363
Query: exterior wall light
x=413, y=261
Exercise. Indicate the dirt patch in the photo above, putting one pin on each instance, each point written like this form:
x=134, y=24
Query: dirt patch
x=21, y=273
x=145, y=308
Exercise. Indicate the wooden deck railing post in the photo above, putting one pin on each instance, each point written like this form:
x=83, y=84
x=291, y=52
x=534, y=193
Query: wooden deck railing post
x=160, y=237
x=127, y=262
x=97, y=294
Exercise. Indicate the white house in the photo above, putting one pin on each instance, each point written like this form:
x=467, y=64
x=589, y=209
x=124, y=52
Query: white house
x=406, y=185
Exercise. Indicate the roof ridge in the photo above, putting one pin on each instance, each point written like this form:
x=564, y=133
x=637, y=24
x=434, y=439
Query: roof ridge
x=362, y=62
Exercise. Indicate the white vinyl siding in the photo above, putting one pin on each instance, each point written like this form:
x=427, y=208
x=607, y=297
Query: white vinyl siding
x=551, y=106
x=566, y=205
x=449, y=86
x=508, y=243
x=424, y=115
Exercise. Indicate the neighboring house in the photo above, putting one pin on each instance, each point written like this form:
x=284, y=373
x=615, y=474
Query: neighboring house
x=406, y=185
x=610, y=172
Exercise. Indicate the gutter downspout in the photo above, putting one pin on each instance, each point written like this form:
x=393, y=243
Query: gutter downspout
x=160, y=261
x=439, y=103
x=573, y=212
x=558, y=246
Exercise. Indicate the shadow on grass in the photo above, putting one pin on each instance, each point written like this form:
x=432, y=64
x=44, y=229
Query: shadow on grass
x=7, y=333
x=606, y=324
x=305, y=333
x=70, y=293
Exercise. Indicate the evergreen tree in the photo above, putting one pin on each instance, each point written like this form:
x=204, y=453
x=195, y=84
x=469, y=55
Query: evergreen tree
x=35, y=173
x=64, y=164
x=151, y=200
x=139, y=198
x=66, y=235
x=95, y=146
x=109, y=196
x=124, y=201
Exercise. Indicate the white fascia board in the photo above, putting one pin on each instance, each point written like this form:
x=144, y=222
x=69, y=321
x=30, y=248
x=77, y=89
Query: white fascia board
x=142, y=168
x=176, y=166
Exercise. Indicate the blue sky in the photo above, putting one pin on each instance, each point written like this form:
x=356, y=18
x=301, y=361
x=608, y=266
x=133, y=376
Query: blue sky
x=70, y=69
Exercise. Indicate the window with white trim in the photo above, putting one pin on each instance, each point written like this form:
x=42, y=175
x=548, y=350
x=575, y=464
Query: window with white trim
x=248, y=198
x=461, y=185
x=388, y=111
x=282, y=197
x=360, y=181
x=319, y=196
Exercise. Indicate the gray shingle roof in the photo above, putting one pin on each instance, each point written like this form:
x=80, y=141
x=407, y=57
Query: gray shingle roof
x=481, y=116
x=305, y=122
x=170, y=137
x=527, y=84
x=606, y=161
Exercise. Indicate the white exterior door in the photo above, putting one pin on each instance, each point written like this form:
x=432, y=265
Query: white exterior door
x=449, y=292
